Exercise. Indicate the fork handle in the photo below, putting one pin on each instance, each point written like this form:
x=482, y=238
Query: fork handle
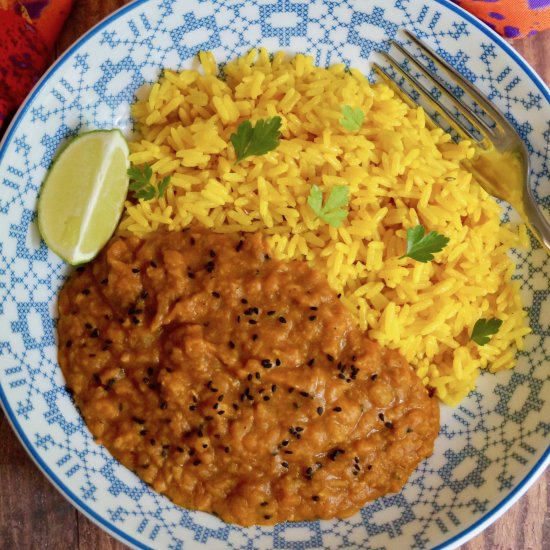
x=535, y=220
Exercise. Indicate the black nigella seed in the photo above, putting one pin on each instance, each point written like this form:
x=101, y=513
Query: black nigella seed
x=138, y=420
x=249, y=377
x=196, y=462
x=135, y=270
x=374, y=377
x=239, y=245
x=164, y=405
x=244, y=301
x=266, y=397
x=312, y=318
x=273, y=388
x=313, y=308
x=192, y=241
x=285, y=442
x=381, y=416
x=227, y=449
x=271, y=312
x=252, y=321
x=257, y=375
x=304, y=394
x=311, y=362
x=192, y=407
x=254, y=337
x=264, y=503
x=342, y=376
x=190, y=274
x=216, y=294
x=86, y=291
x=221, y=412
x=320, y=411
x=235, y=406
x=315, y=498
x=388, y=425
x=282, y=320
x=334, y=453
x=266, y=364
x=277, y=361
x=94, y=333
x=330, y=357
x=68, y=343
x=284, y=464
x=267, y=516
x=153, y=264
x=337, y=409
x=212, y=254
x=231, y=344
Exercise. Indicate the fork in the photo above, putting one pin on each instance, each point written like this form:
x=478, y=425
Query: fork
x=501, y=163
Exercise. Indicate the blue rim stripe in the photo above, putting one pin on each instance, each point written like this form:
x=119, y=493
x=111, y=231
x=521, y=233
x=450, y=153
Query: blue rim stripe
x=453, y=542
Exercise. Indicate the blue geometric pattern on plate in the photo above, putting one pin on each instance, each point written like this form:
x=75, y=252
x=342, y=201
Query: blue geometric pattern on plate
x=491, y=446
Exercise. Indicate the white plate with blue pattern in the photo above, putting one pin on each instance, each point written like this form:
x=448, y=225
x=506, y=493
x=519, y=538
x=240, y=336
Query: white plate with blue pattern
x=491, y=448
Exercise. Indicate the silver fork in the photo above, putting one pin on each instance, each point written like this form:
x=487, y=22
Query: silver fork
x=501, y=165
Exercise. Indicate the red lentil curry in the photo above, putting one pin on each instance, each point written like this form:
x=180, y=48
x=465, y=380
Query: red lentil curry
x=237, y=384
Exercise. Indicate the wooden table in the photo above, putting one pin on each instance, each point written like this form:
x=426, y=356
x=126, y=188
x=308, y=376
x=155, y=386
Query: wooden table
x=33, y=515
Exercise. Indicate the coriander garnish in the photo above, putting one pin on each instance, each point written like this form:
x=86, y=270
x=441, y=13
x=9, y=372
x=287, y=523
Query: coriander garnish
x=352, y=119
x=140, y=183
x=258, y=139
x=484, y=329
x=422, y=247
x=333, y=211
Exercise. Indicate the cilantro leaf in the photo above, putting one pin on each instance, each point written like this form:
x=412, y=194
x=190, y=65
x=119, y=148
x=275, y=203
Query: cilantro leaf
x=484, y=329
x=258, y=139
x=352, y=119
x=422, y=247
x=333, y=212
x=162, y=186
x=140, y=183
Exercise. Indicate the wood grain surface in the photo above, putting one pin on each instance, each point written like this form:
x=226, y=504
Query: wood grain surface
x=34, y=516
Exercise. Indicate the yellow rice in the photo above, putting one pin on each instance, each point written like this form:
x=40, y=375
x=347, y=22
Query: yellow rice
x=400, y=173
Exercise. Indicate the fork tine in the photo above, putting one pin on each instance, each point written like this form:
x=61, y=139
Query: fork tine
x=468, y=87
x=462, y=108
x=435, y=104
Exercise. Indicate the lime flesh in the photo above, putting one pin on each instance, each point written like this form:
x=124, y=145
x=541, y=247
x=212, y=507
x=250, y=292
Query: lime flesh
x=83, y=195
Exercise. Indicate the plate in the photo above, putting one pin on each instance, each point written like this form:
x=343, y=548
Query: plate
x=491, y=447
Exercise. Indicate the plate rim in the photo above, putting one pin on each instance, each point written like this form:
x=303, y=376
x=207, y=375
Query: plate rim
x=460, y=538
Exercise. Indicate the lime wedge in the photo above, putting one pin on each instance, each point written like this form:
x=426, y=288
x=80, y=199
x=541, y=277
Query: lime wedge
x=82, y=197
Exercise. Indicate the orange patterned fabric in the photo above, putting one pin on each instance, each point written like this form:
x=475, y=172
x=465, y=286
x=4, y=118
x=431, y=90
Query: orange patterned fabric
x=511, y=18
x=29, y=30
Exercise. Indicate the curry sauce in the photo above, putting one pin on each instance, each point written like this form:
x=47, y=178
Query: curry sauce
x=235, y=383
